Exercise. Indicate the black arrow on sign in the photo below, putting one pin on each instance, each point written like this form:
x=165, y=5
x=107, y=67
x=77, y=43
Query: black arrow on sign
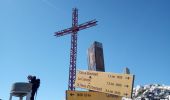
x=128, y=78
x=127, y=86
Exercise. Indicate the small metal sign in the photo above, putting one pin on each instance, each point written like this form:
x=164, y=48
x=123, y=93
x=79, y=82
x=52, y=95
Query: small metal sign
x=86, y=95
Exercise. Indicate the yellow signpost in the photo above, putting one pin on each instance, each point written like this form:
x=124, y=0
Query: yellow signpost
x=85, y=95
x=111, y=83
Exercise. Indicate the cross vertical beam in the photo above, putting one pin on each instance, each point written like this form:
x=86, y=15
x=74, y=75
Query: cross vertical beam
x=73, y=53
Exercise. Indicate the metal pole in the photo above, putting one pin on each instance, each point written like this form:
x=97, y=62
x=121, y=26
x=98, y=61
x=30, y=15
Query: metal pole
x=21, y=98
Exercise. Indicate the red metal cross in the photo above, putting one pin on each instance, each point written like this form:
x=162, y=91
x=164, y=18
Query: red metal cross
x=73, y=51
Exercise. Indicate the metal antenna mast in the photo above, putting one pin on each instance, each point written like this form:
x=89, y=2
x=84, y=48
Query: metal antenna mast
x=73, y=51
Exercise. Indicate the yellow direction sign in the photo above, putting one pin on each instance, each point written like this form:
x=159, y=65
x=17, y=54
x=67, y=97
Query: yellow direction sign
x=85, y=95
x=117, y=84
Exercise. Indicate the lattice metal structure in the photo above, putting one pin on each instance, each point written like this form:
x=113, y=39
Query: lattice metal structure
x=73, y=50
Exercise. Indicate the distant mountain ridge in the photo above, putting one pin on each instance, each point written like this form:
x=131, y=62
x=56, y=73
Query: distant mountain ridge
x=150, y=92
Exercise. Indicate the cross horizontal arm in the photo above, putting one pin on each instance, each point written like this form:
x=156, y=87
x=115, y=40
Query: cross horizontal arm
x=76, y=28
x=87, y=24
x=63, y=32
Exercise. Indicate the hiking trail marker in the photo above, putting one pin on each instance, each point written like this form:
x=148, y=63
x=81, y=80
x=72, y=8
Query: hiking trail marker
x=111, y=83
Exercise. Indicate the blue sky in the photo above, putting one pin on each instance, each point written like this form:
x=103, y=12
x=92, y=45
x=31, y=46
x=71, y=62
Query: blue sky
x=134, y=33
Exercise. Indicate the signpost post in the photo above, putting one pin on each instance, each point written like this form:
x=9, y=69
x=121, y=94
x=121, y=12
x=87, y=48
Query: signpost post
x=111, y=83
